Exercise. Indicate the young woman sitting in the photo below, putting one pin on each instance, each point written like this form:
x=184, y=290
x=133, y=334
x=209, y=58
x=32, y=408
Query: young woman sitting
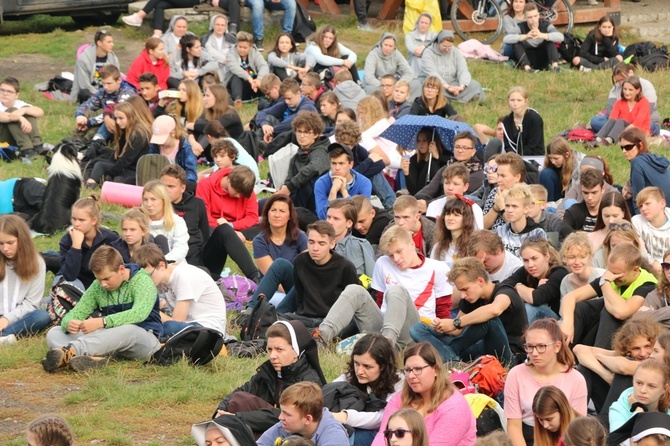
x=286, y=61
x=561, y=168
x=170, y=140
x=429, y=158
x=328, y=52
x=553, y=414
x=188, y=109
x=524, y=127
x=576, y=254
x=632, y=110
x=152, y=59
x=408, y=428
x=190, y=62
x=432, y=100
x=613, y=207
x=453, y=230
x=600, y=49
x=618, y=232
x=217, y=107
x=134, y=233
x=168, y=229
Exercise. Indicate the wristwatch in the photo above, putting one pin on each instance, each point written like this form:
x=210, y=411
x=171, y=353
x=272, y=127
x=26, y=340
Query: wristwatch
x=104, y=322
x=457, y=323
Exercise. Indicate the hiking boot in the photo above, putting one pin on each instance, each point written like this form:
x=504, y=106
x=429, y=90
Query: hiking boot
x=9, y=339
x=259, y=44
x=83, y=363
x=365, y=27
x=58, y=358
x=132, y=20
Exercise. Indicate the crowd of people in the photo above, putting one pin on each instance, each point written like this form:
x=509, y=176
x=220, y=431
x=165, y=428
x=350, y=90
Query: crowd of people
x=437, y=253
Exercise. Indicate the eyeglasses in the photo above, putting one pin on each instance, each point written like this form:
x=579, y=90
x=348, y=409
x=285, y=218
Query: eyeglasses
x=489, y=169
x=665, y=266
x=399, y=433
x=3, y=91
x=538, y=202
x=541, y=348
x=622, y=226
x=303, y=132
x=431, y=87
x=386, y=85
x=463, y=148
x=416, y=370
x=628, y=147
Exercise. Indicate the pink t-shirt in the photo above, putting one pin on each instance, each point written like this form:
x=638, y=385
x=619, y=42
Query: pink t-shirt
x=519, y=398
x=452, y=423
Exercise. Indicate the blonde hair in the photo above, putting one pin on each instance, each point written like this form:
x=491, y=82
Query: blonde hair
x=373, y=111
x=577, y=240
x=647, y=193
x=91, y=205
x=442, y=387
x=537, y=191
x=392, y=235
x=519, y=192
x=559, y=146
x=660, y=367
x=518, y=89
x=26, y=262
x=157, y=188
x=138, y=216
x=440, y=99
x=193, y=108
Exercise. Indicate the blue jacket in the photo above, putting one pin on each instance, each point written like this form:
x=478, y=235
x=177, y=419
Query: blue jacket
x=360, y=186
x=74, y=262
x=330, y=432
x=284, y=114
x=102, y=99
x=364, y=165
x=648, y=169
x=184, y=158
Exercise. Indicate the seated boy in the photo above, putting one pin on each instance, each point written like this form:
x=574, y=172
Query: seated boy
x=535, y=44
x=455, y=181
x=406, y=214
x=224, y=154
x=130, y=324
x=342, y=181
x=342, y=215
x=488, y=247
x=270, y=88
x=582, y=216
x=652, y=224
x=149, y=90
x=399, y=105
x=18, y=120
x=189, y=207
x=489, y=312
x=519, y=225
x=371, y=221
x=311, y=86
x=114, y=90
x=347, y=91
x=303, y=413
x=407, y=285
x=215, y=131
x=277, y=119
x=232, y=212
x=191, y=296
x=550, y=222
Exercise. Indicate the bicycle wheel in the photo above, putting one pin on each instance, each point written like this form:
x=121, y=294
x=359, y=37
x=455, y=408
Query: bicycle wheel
x=483, y=17
x=551, y=10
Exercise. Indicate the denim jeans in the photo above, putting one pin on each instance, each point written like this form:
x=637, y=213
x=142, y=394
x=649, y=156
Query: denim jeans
x=598, y=121
x=172, y=327
x=30, y=324
x=539, y=312
x=257, y=6
x=383, y=190
x=453, y=348
x=279, y=273
x=362, y=437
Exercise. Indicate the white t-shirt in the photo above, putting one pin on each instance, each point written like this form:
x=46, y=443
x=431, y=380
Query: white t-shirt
x=190, y=283
x=435, y=207
x=424, y=283
x=510, y=264
x=17, y=104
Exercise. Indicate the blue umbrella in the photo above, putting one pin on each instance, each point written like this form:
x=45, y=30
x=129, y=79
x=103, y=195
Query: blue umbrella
x=403, y=132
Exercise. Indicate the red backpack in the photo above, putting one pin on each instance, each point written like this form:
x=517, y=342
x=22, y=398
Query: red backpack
x=581, y=135
x=487, y=375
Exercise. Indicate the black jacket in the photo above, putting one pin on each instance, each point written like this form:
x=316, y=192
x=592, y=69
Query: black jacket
x=419, y=108
x=192, y=210
x=596, y=52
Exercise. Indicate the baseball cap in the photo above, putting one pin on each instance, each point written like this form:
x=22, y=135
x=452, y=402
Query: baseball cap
x=337, y=145
x=162, y=127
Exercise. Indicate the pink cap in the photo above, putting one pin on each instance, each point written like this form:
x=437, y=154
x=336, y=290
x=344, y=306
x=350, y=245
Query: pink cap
x=162, y=127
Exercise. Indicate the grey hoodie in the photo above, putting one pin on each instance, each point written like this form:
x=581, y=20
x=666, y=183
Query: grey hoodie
x=378, y=65
x=349, y=93
x=449, y=67
x=206, y=64
x=234, y=65
x=84, y=71
x=413, y=40
x=209, y=42
x=171, y=45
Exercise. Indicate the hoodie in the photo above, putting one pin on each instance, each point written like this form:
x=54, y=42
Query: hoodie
x=135, y=302
x=240, y=212
x=101, y=99
x=185, y=158
x=513, y=240
x=84, y=71
x=169, y=39
x=349, y=93
x=378, y=65
x=143, y=64
x=648, y=169
x=309, y=163
x=656, y=240
x=234, y=65
x=596, y=52
x=192, y=210
x=74, y=262
x=449, y=67
x=413, y=40
x=218, y=50
x=284, y=114
x=233, y=429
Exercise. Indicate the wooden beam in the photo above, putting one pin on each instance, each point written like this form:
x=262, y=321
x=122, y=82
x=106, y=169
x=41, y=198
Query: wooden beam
x=389, y=10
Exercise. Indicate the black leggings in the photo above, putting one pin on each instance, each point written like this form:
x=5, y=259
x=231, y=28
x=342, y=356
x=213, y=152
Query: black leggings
x=159, y=7
x=241, y=89
x=537, y=58
x=224, y=242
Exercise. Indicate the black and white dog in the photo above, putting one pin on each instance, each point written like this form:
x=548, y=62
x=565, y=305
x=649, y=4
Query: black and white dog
x=64, y=182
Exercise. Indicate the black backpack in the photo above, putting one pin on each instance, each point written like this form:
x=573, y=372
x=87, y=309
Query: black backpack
x=303, y=25
x=59, y=83
x=570, y=47
x=635, y=51
x=199, y=345
x=262, y=316
x=654, y=61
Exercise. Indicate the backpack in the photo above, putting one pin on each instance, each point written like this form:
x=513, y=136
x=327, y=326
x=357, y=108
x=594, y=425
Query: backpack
x=655, y=61
x=64, y=297
x=249, y=141
x=487, y=375
x=237, y=290
x=581, y=135
x=570, y=47
x=60, y=83
x=303, y=25
x=637, y=50
x=262, y=316
x=462, y=382
x=149, y=168
x=199, y=345
x=488, y=414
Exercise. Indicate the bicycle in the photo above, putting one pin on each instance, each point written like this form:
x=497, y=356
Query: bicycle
x=485, y=15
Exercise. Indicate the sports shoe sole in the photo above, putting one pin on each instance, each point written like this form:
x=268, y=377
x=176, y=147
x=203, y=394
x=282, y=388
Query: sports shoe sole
x=54, y=360
x=131, y=23
x=83, y=363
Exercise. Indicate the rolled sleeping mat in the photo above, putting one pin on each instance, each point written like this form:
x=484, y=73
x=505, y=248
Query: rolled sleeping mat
x=127, y=195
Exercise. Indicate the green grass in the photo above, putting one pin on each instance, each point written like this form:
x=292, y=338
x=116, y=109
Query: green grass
x=129, y=403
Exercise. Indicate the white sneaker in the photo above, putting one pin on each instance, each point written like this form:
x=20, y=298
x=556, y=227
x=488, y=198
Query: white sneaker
x=9, y=339
x=132, y=20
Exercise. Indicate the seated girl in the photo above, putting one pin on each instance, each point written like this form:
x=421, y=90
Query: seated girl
x=134, y=233
x=190, y=62
x=613, y=207
x=245, y=68
x=600, y=49
x=22, y=274
x=453, y=230
x=188, y=109
x=170, y=140
x=657, y=303
x=286, y=61
x=430, y=157
x=329, y=105
x=632, y=110
x=561, y=168
x=553, y=414
x=217, y=107
x=576, y=254
x=432, y=100
x=328, y=52
x=406, y=422
x=292, y=357
x=151, y=60
x=372, y=369
x=585, y=431
x=168, y=229
x=81, y=240
x=618, y=232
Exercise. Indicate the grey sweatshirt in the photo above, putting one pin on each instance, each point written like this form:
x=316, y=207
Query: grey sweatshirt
x=378, y=65
x=234, y=65
x=296, y=59
x=19, y=298
x=413, y=40
x=169, y=39
x=449, y=67
x=84, y=71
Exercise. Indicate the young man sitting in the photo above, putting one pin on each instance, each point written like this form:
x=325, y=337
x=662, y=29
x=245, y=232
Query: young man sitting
x=488, y=247
x=582, y=216
x=519, y=225
x=18, y=120
x=87, y=68
x=270, y=88
x=189, y=207
x=652, y=224
x=303, y=414
x=341, y=182
x=371, y=221
x=408, y=287
x=277, y=119
x=511, y=171
x=311, y=86
x=489, y=312
x=347, y=91
x=190, y=296
x=149, y=91
x=399, y=105
x=535, y=45
x=406, y=214
x=549, y=221
x=342, y=215
x=130, y=324
x=455, y=181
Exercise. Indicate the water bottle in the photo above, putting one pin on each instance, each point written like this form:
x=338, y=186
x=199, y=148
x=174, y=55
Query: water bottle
x=225, y=272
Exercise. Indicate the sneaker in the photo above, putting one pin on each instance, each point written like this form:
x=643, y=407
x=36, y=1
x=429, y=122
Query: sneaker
x=556, y=69
x=9, y=339
x=83, y=363
x=132, y=20
x=27, y=153
x=583, y=69
x=58, y=358
x=259, y=44
x=346, y=346
x=365, y=27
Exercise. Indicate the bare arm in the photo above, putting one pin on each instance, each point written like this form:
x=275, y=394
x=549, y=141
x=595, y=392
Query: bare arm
x=618, y=364
x=587, y=357
x=567, y=311
x=515, y=431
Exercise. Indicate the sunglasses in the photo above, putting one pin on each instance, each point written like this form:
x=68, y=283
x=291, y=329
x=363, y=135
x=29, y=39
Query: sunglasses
x=488, y=169
x=399, y=433
x=622, y=226
x=665, y=266
x=628, y=147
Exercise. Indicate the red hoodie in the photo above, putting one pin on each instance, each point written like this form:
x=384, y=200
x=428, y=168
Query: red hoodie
x=242, y=212
x=142, y=64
